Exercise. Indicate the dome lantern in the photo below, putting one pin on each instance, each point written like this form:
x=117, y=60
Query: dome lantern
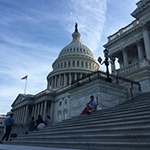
x=76, y=35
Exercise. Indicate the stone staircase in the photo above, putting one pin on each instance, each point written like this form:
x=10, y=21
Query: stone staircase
x=124, y=127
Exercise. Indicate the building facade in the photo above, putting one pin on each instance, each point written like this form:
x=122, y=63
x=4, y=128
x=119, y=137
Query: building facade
x=75, y=76
x=131, y=45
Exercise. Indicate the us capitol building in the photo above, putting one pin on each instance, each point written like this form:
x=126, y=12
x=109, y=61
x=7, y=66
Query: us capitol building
x=75, y=74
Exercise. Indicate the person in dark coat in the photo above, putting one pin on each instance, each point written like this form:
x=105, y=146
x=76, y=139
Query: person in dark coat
x=31, y=124
x=9, y=122
x=38, y=121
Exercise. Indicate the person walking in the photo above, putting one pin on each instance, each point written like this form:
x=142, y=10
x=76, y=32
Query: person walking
x=9, y=123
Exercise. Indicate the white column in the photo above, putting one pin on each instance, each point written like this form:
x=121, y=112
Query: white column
x=55, y=81
x=22, y=115
x=146, y=41
x=26, y=115
x=70, y=78
x=41, y=111
x=35, y=111
x=38, y=111
x=75, y=76
x=80, y=75
x=33, y=107
x=52, y=111
x=65, y=80
x=52, y=82
x=16, y=114
x=112, y=67
x=59, y=80
x=19, y=115
x=125, y=57
x=44, y=111
x=140, y=50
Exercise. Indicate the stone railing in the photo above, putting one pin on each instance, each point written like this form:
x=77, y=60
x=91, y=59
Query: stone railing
x=123, y=30
x=133, y=67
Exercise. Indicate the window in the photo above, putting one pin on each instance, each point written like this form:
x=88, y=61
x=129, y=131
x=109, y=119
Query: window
x=90, y=65
x=65, y=64
x=60, y=103
x=58, y=66
x=69, y=64
x=74, y=49
x=66, y=101
x=77, y=63
x=80, y=49
x=73, y=63
x=86, y=64
x=82, y=64
x=70, y=49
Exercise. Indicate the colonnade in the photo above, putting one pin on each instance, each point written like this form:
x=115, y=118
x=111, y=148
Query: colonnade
x=21, y=115
x=140, y=48
x=64, y=79
x=39, y=109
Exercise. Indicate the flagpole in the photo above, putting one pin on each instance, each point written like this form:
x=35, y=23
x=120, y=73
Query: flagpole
x=25, y=86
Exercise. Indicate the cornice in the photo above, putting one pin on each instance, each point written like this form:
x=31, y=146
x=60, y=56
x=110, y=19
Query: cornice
x=120, y=37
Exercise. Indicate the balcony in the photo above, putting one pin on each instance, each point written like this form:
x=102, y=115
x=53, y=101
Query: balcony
x=133, y=67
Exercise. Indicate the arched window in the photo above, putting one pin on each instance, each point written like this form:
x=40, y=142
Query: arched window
x=65, y=113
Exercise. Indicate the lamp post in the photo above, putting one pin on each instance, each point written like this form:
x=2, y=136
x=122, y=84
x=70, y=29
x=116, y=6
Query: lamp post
x=106, y=62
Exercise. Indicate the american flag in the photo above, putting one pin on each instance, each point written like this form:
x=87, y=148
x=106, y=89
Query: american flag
x=24, y=77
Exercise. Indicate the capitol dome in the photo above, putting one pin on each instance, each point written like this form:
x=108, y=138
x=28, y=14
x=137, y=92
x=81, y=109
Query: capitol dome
x=74, y=62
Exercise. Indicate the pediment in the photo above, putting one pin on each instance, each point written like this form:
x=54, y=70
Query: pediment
x=19, y=98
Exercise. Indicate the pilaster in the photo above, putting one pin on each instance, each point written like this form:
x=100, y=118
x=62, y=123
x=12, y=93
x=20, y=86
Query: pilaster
x=140, y=50
x=146, y=41
x=125, y=57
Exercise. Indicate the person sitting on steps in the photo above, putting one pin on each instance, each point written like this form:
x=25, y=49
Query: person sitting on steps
x=92, y=105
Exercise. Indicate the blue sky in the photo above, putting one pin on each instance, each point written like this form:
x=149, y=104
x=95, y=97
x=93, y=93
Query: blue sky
x=32, y=33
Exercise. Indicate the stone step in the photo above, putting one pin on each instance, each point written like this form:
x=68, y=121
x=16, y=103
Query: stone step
x=135, y=102
x=90, y=145
x=145, y=116
x=129, y=103
x=141, y=137
x=116, y=109
x=120, y=128
x=102, y=116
